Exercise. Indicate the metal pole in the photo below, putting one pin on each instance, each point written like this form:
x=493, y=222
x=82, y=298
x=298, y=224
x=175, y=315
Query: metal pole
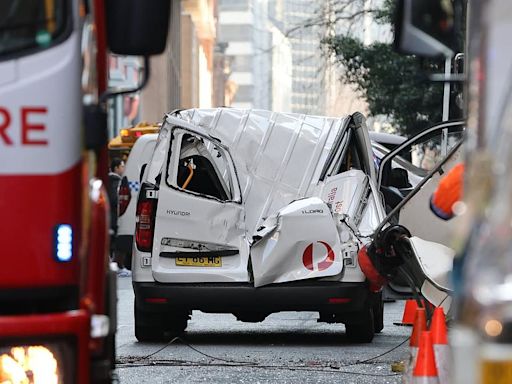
x=446, y=96
x=446, y=104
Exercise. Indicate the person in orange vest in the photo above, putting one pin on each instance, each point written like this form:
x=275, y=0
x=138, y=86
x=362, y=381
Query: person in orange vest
x=448, y=192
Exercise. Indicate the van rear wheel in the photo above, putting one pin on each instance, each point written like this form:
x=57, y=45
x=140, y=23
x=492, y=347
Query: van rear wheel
x=176, y=322
x=378, y=313
x=149, y=334
x=362, y=331
x=149, y=326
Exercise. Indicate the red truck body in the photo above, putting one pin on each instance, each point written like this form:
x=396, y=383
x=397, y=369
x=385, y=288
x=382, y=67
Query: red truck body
x=57, y=293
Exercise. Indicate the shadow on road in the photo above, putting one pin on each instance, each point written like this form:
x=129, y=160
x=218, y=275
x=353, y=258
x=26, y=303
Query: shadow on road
x=320, y=338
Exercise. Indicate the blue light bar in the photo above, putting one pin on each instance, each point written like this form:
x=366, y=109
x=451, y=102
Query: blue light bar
x=63, y=242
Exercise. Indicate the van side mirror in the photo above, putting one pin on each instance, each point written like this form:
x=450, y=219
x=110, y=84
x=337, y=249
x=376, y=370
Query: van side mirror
x=137, y=27
x=425, y=28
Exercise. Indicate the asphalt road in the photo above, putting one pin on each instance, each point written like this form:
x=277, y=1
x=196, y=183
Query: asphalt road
x=288, y=347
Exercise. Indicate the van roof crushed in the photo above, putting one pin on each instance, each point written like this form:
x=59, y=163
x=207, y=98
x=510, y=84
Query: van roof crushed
x=279, y=157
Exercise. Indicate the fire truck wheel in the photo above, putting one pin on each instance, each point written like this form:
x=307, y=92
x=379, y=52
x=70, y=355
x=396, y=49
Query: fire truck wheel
x=378, y=313
x=364, y=330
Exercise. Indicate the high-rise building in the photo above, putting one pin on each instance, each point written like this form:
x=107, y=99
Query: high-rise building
x=162, y=94
x=198, y=39
x=304, y=30
x=276, y=63
x=235, y=29
x=277, y=58
x=256, y=66
x=182, y=77
x=282, y=69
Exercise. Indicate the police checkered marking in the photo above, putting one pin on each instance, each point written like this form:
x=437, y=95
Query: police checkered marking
x=134, y=186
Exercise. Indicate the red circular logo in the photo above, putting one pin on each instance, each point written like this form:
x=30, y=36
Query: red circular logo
x=307, y=257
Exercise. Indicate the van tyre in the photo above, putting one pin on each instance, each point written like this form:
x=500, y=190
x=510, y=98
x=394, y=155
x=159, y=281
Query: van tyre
x=149, y=326
x=364, y=330
x=176, y=322
x=149, y=334
x=378, y=313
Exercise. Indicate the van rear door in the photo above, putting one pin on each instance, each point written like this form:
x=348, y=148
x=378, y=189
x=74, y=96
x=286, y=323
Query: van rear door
x=411, y=163
x=426, y=157
x=199, y=227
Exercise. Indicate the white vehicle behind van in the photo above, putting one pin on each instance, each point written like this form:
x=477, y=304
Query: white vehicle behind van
x=129, y=188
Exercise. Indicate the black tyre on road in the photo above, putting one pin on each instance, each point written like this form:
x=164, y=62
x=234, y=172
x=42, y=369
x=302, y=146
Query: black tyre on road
x=159, y=326
x=378, y=313
x=363, y=330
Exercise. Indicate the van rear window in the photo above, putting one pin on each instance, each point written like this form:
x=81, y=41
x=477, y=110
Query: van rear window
x=202, y=168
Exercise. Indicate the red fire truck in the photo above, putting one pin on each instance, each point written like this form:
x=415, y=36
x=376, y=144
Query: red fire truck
x=57, y=294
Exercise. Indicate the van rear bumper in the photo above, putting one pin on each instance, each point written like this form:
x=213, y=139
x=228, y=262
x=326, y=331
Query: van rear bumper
x=321, y=296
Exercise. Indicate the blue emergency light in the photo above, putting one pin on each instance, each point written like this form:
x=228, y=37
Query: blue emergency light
x=63, y=242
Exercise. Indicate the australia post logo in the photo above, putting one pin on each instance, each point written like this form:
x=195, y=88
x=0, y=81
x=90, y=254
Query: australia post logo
x=319, y=257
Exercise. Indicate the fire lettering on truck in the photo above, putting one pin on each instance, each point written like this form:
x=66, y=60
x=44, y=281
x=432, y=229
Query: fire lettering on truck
x=6, y=121
x=30, y=124
x=26, y=126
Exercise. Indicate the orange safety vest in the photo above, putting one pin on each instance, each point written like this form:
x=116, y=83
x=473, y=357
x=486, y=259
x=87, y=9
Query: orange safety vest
x=448, y=192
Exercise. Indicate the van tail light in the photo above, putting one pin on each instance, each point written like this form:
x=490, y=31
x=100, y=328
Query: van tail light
x=124, y=196
x=145, y=224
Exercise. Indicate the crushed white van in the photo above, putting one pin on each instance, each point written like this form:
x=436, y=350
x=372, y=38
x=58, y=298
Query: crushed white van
x=252, y=212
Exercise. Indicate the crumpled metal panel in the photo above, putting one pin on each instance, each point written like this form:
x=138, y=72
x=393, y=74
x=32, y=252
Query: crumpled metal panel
x=279, y=158
x=435, y=259
x=278, y=155
x=299, y=242
x=345, y=191
x=373, y=214
x=183, y=216
x=436, y=262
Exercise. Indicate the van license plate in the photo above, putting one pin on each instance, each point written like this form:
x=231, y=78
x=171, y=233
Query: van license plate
x=212, y=261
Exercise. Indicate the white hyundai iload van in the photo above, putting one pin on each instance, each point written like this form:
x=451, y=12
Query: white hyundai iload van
x=252, y=212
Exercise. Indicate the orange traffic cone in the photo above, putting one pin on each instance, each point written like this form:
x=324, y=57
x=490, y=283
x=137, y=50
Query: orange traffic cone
x=425, y=371
x=420, y=325
x=409, y=313
x=440, y=342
